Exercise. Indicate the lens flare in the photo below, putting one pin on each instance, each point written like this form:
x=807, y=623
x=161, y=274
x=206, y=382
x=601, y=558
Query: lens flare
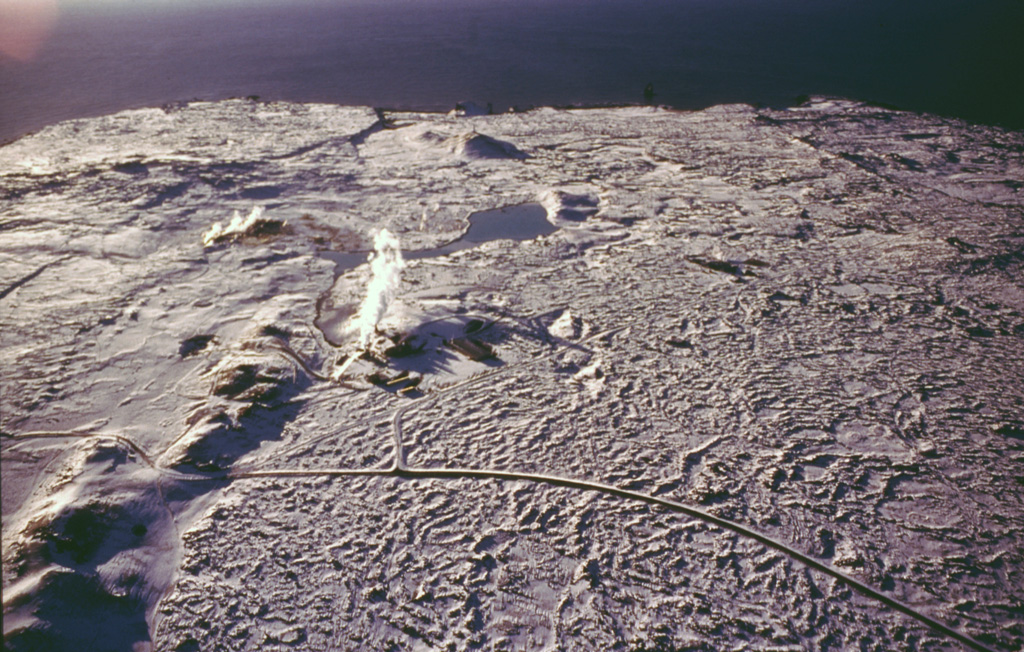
x=25, y=25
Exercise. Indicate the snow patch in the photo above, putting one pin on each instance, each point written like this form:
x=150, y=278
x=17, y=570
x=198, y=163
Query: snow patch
x=468, y=145
x=592, y=377
x=567, y=326
x=478, y=146
x=563, y=206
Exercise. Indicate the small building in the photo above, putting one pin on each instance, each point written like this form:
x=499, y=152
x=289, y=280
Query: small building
x=472, y=348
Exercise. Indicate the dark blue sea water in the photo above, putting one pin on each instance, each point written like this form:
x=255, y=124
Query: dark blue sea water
x=950, y=57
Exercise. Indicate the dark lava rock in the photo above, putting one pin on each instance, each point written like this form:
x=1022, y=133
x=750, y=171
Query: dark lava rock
x=194, y=345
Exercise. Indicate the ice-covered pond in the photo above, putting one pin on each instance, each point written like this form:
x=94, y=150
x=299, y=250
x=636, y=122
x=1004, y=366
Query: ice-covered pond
x=521, y=222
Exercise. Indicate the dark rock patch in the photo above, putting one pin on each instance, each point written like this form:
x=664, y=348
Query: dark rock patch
x=194, y=345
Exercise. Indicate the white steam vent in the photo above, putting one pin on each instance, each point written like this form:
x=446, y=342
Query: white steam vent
x=386, y=265
x=253, y=225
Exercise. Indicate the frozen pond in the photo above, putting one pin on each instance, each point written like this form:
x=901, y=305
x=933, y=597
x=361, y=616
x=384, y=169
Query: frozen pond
x=522, y=222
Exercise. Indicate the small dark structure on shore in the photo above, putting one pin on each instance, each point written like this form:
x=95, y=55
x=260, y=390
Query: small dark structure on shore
x=472, y=348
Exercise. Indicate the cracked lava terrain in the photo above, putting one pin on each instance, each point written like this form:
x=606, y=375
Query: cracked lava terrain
x=807, y=322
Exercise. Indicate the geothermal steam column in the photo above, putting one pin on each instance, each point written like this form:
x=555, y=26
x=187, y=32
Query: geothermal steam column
x=386, y=264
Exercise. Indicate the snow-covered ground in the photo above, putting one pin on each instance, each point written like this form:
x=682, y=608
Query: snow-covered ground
x=808, y=322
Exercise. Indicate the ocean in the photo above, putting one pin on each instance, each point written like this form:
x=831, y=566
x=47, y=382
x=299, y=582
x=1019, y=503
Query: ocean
x=942, y=56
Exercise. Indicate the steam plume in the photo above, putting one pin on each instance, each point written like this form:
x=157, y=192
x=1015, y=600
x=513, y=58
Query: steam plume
x=386, y=265
x=237, y=228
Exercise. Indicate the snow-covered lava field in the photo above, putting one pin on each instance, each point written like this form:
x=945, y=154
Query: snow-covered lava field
x=759, y=384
